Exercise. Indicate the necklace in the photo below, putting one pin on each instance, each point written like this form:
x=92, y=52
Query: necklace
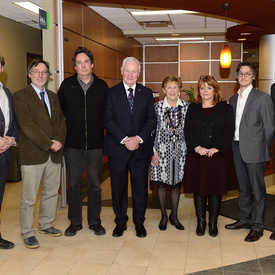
x=172, y=124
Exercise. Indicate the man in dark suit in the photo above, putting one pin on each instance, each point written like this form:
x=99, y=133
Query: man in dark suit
x=42, y=131
x=272, y=94
x=8, y=139
x=129, y=119
x=254, y=132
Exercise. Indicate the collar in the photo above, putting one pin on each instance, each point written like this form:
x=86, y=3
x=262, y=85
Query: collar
x=246, y=91
x=38, y=91
x=89, y=83
x=127, y=87
x=1, y=85
x=166, y=104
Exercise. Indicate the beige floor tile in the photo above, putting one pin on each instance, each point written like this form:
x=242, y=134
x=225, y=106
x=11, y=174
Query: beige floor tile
x=117, y=269
x=233, y=253
x=62, y=253
x=47, y=267
x=169, y=254
x=40, y=253
x=18, y=266
x=83, y=268
x=132, y=256
x=204, y=255
x=99, y=256
x=164, y=271
x=143, y=244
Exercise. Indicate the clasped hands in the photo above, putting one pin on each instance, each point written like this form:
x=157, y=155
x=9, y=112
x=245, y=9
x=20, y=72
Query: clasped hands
x=5, y=143
x=56, y=146
x=206, y=152
x=132, y=143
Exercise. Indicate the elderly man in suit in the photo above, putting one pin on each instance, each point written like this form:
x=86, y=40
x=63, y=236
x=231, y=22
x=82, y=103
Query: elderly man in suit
x=129, y=119
x=8, y=139
x=254, y=132
x=42, y=135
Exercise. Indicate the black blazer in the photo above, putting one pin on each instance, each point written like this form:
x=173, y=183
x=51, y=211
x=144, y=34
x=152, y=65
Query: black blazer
x=214, y=131
x=119, y=122
x=13, y=127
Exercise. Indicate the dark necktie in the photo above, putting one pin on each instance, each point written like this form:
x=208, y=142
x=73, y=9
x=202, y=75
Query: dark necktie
x=131, y=99
x=44, y=103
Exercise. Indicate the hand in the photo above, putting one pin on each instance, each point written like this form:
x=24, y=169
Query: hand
x=202, y=151
x=5, y=143
x=56, y=146
x=132, y=143
x=155, y=159
x=212, y=151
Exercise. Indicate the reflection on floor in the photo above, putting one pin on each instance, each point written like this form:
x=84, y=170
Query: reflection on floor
x=161, y=252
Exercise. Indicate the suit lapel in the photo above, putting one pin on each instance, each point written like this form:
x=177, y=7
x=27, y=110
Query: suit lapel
x=248, y=102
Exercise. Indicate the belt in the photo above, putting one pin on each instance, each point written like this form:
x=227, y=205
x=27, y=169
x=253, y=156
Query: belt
x=236, y=142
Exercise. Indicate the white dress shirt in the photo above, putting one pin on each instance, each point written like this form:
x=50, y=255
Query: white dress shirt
x=4, y=105
x=242, y=98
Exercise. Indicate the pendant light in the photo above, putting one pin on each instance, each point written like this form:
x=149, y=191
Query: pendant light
x=225, y=57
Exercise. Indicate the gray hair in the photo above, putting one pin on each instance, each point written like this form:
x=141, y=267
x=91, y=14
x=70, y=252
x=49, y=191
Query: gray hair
x=131, y=58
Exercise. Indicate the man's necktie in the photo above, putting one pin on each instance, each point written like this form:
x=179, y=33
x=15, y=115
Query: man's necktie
x=44, y=103
x=131, y=99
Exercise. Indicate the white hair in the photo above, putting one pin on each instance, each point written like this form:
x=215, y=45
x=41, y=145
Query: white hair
x=131, y=58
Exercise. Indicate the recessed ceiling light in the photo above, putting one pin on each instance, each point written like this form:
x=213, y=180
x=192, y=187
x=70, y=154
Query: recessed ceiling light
x=175, y=34
x=241, y=39
x=179, y=38
x=29, y=6
x=161, y=12
x=245, y=52
x=245, y=33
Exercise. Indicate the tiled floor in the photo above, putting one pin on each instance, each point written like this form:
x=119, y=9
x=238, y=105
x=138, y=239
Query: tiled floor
x=161, y=252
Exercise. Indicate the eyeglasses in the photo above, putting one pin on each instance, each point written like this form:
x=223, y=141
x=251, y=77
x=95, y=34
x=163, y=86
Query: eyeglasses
x=207, y=76
x=245, y=74
x=36, y=72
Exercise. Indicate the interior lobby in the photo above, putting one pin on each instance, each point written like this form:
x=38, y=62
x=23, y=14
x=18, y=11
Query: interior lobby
x=162, y=252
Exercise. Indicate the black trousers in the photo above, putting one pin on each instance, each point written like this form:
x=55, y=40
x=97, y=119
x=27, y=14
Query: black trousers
x=138, y=169
x=4, y=170
x=75, y=160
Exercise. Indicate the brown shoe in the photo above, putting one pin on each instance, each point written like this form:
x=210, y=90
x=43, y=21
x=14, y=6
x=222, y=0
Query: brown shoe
x=237, y=225
x=253, y=236
x=272, y=236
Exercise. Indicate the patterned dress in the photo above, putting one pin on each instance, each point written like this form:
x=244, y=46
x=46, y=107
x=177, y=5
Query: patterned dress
x=169, y=143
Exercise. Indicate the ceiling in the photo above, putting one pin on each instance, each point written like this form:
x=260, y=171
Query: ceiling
x=246, y=16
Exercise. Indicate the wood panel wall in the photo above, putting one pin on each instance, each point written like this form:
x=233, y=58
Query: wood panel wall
x=190, y=61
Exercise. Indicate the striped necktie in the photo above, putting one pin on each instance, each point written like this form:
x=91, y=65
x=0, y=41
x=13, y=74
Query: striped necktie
x=131, y=99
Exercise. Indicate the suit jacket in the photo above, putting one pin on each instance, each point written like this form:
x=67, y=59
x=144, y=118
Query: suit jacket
x=119, y=122
x=213, y=131
x=36, y=129
x=13, y=127
x=257, y=126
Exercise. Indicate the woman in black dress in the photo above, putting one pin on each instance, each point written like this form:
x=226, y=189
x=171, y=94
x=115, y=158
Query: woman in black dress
x=209, y=167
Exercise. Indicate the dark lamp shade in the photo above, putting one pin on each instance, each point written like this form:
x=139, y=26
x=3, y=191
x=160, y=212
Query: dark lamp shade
x=225, y=57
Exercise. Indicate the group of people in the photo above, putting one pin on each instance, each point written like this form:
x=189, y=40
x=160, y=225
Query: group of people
x=211, y=146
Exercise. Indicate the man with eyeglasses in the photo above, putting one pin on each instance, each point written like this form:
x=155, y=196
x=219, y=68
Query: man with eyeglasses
x=42, y=132
x=254, y=132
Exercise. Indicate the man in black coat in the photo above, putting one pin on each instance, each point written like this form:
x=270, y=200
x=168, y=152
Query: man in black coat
x=82, y=97
x=8, y=139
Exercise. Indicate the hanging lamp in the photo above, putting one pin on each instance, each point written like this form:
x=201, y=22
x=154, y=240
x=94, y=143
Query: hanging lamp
x=225, y=56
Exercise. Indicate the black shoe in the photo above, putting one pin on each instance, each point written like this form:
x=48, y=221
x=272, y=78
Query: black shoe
x=31, y=242
x=98, y=229
x=253, y=236
x=178, y=226
x=213, y=228
x=272, y=236
x=72, y=229
x=237, y=225
x=140, y=231
x=118, y=231
x=162, y=227
x=4, y=244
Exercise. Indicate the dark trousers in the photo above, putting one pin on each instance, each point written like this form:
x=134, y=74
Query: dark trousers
x=252, y=191
x=138, y=169
x=75, y=161
x=4, y=170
